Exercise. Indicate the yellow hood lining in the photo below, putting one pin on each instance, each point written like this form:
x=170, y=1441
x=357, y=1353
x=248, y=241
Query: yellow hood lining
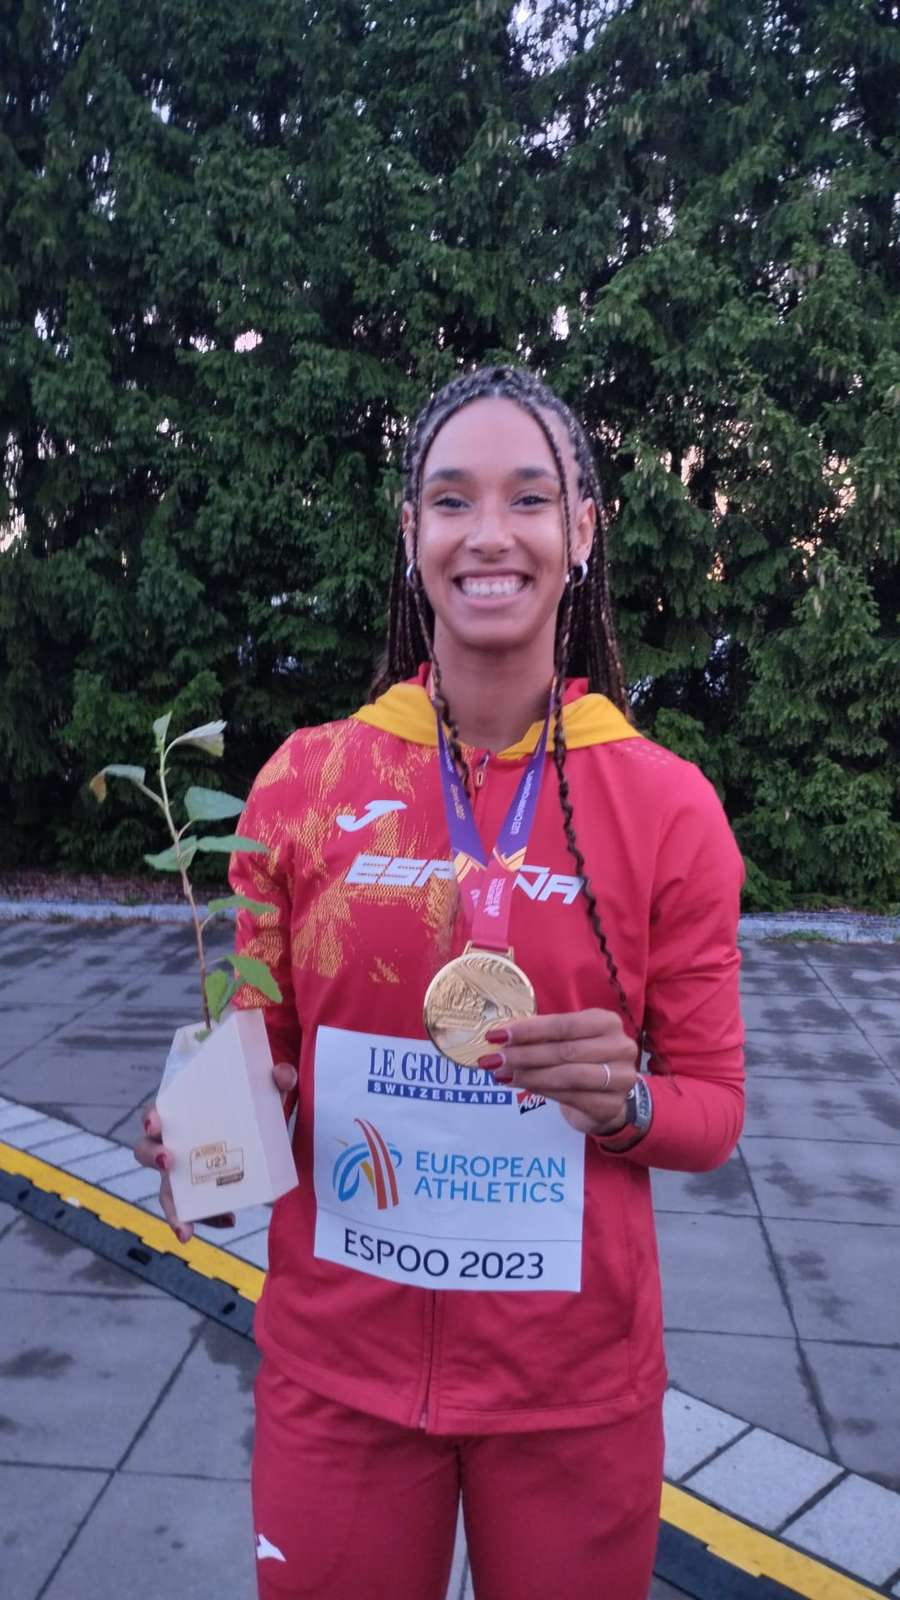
x=406, y=711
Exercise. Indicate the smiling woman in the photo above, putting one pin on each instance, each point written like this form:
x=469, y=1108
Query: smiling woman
x=463, y=1294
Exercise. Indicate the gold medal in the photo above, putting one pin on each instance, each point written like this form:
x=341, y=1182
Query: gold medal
x=471, y=995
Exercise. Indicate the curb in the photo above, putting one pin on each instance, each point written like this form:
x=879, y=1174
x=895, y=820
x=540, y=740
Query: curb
x=842, y=927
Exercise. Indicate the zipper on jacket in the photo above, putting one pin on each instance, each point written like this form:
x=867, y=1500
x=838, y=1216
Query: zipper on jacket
x=432, y=1319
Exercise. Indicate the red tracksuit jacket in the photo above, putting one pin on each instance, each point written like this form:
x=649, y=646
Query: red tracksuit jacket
x=366, y=913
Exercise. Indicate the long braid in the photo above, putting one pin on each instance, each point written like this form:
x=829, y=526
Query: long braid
x=590, y=900
x=585, y=627
x=565, y=801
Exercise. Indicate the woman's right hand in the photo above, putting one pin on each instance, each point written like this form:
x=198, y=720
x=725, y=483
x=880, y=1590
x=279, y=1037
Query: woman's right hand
x=150, y=1152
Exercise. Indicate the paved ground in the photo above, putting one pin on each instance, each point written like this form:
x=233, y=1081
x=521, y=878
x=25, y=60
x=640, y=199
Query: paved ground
x=125, y=1418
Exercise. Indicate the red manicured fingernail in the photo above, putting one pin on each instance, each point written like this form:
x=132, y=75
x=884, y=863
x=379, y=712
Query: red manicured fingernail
x=498, y=1036
x=161, y=1162
x=496, y=1060
x=503, y=1075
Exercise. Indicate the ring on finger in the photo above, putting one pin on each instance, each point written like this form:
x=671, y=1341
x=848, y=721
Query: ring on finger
x=608, y=1079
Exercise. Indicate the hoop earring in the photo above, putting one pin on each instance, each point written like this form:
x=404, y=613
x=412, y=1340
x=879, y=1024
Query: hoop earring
x=582, y=571
x=413, y=580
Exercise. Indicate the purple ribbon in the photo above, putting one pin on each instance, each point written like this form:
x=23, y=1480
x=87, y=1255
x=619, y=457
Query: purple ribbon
x=486, y=882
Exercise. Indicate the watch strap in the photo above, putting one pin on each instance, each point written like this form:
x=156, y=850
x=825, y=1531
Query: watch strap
x=638, y=1118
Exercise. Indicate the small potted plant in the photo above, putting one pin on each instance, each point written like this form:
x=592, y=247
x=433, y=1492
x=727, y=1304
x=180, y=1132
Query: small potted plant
x=221, y=1113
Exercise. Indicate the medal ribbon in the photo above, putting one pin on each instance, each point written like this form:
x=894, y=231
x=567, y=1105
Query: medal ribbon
x=486, y=882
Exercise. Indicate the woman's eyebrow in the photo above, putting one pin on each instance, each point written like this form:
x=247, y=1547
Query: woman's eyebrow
x=459, y=474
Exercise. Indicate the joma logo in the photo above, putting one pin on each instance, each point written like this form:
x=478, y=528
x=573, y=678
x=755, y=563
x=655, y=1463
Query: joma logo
x=401, y=872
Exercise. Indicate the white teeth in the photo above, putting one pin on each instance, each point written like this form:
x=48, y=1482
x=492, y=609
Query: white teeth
x=488, y=588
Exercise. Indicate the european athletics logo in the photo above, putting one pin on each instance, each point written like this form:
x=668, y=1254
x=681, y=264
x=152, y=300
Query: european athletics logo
x=373, y=1157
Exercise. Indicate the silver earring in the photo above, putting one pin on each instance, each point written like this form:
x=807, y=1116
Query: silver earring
x=412, y=575
x=582, y=571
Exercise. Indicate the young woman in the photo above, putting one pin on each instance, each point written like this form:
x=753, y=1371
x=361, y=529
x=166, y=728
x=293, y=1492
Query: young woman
x=473, y=941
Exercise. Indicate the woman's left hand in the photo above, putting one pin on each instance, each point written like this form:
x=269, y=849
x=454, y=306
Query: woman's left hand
x=582, y=1059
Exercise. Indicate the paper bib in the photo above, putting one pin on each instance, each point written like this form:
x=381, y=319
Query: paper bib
x=432, y=1174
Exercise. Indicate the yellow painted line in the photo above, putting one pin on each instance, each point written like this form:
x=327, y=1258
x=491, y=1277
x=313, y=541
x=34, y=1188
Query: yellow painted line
x=204, y=1258
x=758, y=1553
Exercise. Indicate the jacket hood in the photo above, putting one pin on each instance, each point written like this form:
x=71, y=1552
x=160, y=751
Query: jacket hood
x=406, y=710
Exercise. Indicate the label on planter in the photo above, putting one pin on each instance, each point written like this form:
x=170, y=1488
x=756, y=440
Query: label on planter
x=217, y=1163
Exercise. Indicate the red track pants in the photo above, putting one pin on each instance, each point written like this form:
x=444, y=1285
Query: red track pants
x=348, y=1507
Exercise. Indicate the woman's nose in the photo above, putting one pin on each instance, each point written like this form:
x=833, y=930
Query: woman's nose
x=489, y=533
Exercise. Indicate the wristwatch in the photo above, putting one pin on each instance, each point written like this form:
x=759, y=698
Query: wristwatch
x=638, y=1117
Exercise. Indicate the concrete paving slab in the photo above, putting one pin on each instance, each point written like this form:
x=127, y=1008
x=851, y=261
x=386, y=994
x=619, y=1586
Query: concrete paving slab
x=30, y=1135
x=717, y=1276
x=73, y=1147
x=778, y=969
x=852, y=1112
x=693, y=1432
x=843, y=1279
x=851, y=973
x=137, y=1185
x=67, y=1387
x=109, y=1164
x=887, y=1049
x=47, y=1135
x=174, y=1000
x=726, y=1191
x=763, y=1479
x=788, y=1015
x=763, y=1380
x=813, y=1055
x=860, y=1390
x=825, y=1182
x=17, y=1116
x=110, y=1122
x=90, y=1064
x=254, y=1249
x=150, y=1536
x=878, y=1018
x=33, y=1258
x=856, y=1526
x=23, y=1025
x=204, y=1425
x=129, y=1129
x=76, y=983
x=43, y=1509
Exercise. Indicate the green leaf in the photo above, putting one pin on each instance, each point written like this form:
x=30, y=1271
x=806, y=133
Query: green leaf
x=97, y=784
x=207, y=737
x=173, y=860
x=230, y=842
x=257, y=974
x=240, y=902
x=211, y=805
x=219, y=990
x=161, y=728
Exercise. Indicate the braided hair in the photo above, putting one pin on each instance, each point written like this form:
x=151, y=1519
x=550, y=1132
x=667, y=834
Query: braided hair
x=586, y=643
